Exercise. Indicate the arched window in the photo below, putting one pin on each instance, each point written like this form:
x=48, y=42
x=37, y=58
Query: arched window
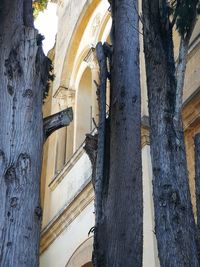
x=84, y=107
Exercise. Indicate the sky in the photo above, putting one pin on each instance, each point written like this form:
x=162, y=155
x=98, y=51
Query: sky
x=46, y=23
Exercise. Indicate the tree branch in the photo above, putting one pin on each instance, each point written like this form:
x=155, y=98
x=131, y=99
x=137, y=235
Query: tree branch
x=57, y=121
x=180, y=74
x=181, y=68
x=101, y=130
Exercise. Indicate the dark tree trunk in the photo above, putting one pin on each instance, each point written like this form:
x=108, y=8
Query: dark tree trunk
x=197, y=177
x=23, y=75
x=119, y=227
x=174, y=220
x=124, y=206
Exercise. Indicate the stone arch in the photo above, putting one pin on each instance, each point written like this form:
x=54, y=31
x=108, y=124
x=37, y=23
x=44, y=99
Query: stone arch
x=68, y=65
x=105, y=27
x=82, y=255
x=79, y=66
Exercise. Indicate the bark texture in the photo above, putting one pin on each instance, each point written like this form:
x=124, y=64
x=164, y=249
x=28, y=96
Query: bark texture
x=118, y=229
x=174, y=221
x=124, y=208
x=23, y=75
x=21, y=136
x=197, y=177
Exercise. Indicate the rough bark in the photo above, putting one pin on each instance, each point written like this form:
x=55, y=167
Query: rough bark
x=197, y=177
x=117, y=167
x=174, y=221
x=101, y=131
x=119, y=230
x=23, y=74
x=124, y=205
x=100, y=155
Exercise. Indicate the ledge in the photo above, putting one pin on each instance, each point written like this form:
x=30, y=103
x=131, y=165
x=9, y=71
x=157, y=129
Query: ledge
x=69, y=165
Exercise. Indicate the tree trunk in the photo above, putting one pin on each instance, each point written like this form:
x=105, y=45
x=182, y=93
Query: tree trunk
x=174, y=220
x=197, y=177
x=23, y=75
x=119, y=230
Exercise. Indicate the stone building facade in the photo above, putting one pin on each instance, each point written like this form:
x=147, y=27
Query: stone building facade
x=66, y=189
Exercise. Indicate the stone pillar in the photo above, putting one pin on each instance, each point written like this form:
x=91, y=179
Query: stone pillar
x=61, y=134
x=150, y=252
x=70, y=128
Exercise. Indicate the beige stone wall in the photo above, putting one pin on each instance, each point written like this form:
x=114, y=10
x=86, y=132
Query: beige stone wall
x=66, y=186
x=63, y=247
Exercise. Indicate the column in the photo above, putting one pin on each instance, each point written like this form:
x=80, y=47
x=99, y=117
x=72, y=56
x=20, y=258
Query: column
x=150, y=252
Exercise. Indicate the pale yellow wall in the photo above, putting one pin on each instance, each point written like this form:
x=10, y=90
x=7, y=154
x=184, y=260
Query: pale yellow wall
x=60, y=251
x=60, y=193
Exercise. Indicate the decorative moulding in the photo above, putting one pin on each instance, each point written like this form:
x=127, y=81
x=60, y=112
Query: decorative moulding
x=91, y=59
x=69, y=165
x=64, y=92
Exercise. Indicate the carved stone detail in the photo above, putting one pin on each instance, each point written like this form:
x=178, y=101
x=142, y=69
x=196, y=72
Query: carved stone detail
x=65, y=96
x=91, y=59
x=95, y=25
